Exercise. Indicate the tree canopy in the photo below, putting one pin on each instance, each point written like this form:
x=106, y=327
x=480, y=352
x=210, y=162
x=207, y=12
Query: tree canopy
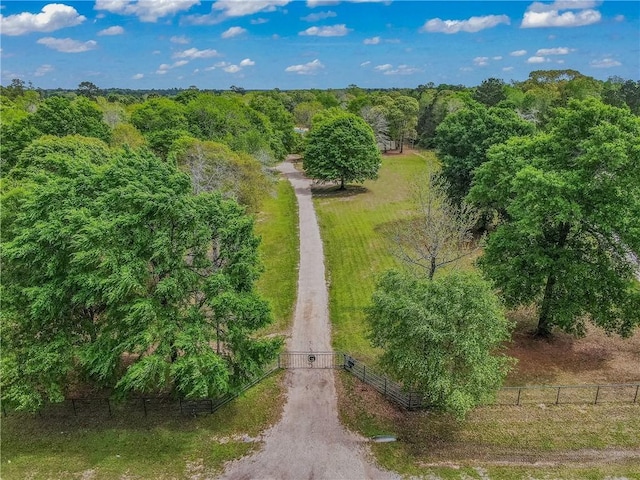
x=342, y=148
x=570, y=235
x=117, y=273
x=463, y=138
x=441, y=337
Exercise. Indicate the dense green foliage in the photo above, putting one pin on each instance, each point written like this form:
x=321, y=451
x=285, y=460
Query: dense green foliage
x=341, y=148
x=463, y=138
x=440, y=336
x=120, y=275
x=570, y=236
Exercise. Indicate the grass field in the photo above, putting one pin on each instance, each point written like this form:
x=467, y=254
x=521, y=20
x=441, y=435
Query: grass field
x=567, y=442
x=277, y=225
x=138, y=447
x=356, y=252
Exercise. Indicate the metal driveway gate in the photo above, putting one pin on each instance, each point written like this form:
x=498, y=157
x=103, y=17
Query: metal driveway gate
x=311, y=360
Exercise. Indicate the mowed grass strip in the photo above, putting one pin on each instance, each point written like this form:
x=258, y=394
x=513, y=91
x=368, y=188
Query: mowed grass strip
x=277, y=225
x=356, y=251
x=135, y=447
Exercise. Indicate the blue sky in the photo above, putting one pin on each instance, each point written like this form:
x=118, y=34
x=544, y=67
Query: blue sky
x=264, y=44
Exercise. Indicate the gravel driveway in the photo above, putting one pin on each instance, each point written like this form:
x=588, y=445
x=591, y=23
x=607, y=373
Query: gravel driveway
x=309, y=442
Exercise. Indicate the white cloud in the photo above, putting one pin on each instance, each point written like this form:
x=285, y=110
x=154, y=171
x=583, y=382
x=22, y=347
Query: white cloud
x=315, y=17
x=540, y=15
x=258, y=21
x=537, y=59
x=401, y=70
x=116, y=30
x=181, y=40
x=498, y=57
x=481, y=61
x=310, y=68
x=324, y=3
x=43, y=70
x=193, y=53
x=68, y=45
x=518, y=53
x=507, y=69
x=52, y=17
x=619, y=18
x=371, y=41
x=329, y=31
x=604, y=63
x=554, y=51
x=247, y=62
x=321, y=3
x=165, y=67
x=233, y=32
x=216, y=65
x=382, y=68
x=466, y=69
x=223, y=9
x=364, y=64
x=473, y=24
x=137, y=76
x=232, y=69
x=156, y=52
x=146, y=10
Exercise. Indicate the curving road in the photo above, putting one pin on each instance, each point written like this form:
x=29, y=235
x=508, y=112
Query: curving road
x=309, y=442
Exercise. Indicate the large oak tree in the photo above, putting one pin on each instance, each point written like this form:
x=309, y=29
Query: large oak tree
x=570, y=236
x=341, y=148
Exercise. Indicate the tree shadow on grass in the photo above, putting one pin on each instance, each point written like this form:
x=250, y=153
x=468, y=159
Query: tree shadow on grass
x=334, y=191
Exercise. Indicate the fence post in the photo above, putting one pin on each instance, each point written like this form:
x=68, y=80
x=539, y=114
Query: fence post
x=558, y=396
x=597, y=393
x=109, y=406
x=73, y=404
x=144, y=406
x=635, y=397
x=518, y=400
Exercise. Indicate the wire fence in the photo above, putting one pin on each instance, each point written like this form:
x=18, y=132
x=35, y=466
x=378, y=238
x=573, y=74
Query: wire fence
x=149, y=406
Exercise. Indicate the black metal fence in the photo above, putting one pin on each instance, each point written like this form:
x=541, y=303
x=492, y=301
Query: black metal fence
x=390, y=389
x=311, y=360
x=395, y=392
x=103, y=407
x=565, y=394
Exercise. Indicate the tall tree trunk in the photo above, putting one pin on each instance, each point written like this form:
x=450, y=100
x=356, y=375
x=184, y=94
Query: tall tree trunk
x=544, y=320
x=342, y=187
x=432, y=269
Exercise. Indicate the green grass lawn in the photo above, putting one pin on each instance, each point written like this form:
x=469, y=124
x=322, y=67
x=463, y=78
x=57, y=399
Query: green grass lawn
x=277, y=225
x=135, y=447
x=356, y=251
